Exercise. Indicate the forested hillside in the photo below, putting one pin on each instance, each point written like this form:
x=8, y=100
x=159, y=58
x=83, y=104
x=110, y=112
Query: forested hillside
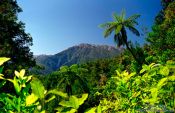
x=140, y=79
x=75, y=55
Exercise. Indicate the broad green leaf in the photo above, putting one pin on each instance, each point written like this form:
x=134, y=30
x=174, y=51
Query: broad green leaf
x=132, y=74
x=154, y=92
x=50, y=99
x=91, y=110
x=37, y=88
x=171, y=78
x=82, y=99
x=16, y=85
x=29, y=78
x=72, y=111
x=56, y=92
x=20, y=74
x=67, y=103
x=118, y=73
x=31, y=99
x=1, y=76
x=59, y=109
x=142, y=71
x=43, y=111
x=3, y=60
x=164, y=71
x=99, y=110
x=152, y=65
x=11, y=112
x=74, y=102
x=161, y=82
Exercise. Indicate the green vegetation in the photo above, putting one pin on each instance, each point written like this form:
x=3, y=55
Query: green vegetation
x=124, y=84
x=14, y=41
x=119, y=27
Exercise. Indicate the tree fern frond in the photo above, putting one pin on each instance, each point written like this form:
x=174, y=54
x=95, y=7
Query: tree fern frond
x=118, y=29
x=134, y=17
x=123, y=14
x=116, y=17
x=109, y=30
x=107, y=25
x=134, y=30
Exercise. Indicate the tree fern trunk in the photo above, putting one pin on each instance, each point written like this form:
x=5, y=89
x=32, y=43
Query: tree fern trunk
x=124, y=35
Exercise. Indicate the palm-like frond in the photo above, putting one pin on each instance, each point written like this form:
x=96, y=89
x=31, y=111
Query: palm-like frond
x=132, y=19
x=118, y=26
x=110, y=29
x=133, y=30
x=106, y=25
x=116, y=17
x=118, y=29
x=123, y=14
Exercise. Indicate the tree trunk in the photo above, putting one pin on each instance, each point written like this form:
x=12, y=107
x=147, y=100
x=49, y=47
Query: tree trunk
x=129, y=49
x=124, y=35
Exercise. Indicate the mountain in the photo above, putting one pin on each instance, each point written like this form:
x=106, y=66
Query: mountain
x=75, y=55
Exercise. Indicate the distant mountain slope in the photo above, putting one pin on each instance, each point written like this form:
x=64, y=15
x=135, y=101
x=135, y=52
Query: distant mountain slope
x=76, y=54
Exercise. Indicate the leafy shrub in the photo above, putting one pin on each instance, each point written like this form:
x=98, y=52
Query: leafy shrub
x=32, y=97
x=150, y=91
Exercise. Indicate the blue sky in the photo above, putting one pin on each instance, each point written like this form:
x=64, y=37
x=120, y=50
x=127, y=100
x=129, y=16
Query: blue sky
x=58, y=24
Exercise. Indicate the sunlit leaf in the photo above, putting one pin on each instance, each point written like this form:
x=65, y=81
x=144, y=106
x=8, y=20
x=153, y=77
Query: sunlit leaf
x=50, y=99
x=72, y=111
x=43, y=111
x=92, y=110
x=171, y=78
x=82, y=99
x=31, y=99
x=164, y=71
x=37, y=88
x=20, y=74
x=56, y=92
x=99, y=110
x=3, y=60
x=161, y=82
x=74, y=102
x=16, y=84
x=1, y=76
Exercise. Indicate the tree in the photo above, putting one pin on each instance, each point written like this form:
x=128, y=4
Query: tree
x=118, y=26
x=14, y=41
x=161, y=38
x=72, y=77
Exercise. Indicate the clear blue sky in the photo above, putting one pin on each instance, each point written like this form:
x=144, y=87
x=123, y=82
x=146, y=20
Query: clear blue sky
x=58, y=24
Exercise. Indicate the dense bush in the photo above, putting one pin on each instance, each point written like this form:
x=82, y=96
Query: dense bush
x=31, y=96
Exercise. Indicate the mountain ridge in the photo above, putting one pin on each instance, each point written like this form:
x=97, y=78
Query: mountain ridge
x=75, y=55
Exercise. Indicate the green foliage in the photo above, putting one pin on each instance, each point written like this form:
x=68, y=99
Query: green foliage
x=161, y=38
x=153, y=90
x=119, y=26
x=15, y=42
x=31, y=95
x=72, y=103
x=16, y=102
